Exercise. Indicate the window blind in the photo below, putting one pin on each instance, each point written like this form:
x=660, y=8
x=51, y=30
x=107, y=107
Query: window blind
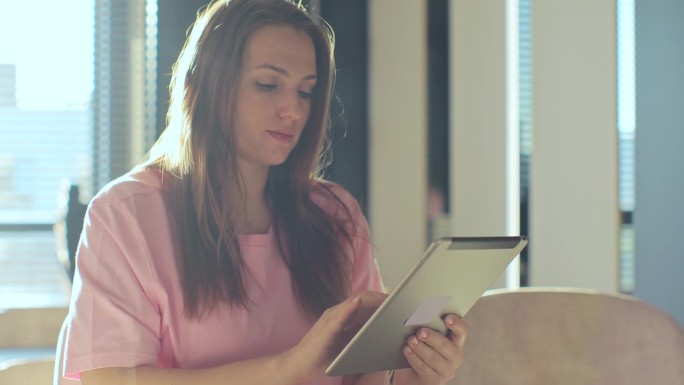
x=525, y=94
x=626, y=107
x=125, y=86
x=46, y=84
x=525, y=116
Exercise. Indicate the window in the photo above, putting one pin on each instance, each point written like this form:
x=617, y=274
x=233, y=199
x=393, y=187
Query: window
x=46, y=78
x=525, y=115
x=626, y=106
x=626, y=129
x=45, y=119
x=78, y=104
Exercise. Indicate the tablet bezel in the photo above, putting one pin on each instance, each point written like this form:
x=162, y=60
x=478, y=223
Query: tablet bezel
x=378, y=352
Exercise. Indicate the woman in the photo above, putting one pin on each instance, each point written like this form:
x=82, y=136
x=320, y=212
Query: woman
x=224, y=257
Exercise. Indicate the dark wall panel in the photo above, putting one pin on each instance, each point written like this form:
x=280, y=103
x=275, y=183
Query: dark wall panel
x=174, y=19
x=350, y=112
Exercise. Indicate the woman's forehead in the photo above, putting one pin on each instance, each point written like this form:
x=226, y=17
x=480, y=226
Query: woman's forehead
x=281, y=47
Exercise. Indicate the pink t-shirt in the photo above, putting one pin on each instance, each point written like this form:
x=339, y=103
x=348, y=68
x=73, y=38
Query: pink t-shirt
x=127, y=303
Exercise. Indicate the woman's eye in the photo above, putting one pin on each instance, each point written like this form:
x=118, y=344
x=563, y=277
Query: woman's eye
x=305, y=95
x=265, y=86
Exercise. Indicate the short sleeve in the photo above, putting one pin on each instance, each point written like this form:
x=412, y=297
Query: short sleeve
x=113, y=319
x=365, y=271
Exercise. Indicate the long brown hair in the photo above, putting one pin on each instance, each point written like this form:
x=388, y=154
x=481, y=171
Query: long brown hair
x=197, y=152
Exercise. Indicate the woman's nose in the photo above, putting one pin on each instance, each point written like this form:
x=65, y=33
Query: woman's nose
x=291, y=108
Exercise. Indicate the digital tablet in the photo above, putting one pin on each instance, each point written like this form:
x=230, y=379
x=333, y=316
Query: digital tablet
x=450, y=277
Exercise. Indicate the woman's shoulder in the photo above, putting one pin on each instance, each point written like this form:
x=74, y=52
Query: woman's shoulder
x=134, y=187
x=334, y=198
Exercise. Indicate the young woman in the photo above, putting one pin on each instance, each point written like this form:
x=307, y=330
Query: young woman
x=224, y=257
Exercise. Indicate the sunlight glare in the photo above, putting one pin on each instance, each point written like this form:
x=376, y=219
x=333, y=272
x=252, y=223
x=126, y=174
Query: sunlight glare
x=51, y=44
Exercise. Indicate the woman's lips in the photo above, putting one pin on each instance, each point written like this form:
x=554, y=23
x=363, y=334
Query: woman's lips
x=281, y=136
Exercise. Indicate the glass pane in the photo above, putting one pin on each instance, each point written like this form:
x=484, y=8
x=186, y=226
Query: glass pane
x=626, y=107
x=46, y=83
x=30, y=274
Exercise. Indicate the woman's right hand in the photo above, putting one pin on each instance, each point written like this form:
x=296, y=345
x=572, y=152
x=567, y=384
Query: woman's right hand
x=333, y=330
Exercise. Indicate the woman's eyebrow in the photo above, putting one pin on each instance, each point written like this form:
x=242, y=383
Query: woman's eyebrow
x=283, y=71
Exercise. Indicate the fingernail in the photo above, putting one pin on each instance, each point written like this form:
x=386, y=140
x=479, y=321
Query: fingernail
x=423, y=334
x=356, y=299
x=451, y=320
x=414, y=340
x=408, y=351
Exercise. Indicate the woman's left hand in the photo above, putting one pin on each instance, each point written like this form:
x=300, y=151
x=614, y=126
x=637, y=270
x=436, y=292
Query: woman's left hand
x=433, y=357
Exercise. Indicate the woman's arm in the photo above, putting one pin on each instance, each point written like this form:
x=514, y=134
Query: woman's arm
x=304, y=362
x=279, y=369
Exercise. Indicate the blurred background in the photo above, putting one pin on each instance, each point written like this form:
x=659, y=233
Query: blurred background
x=562, y=120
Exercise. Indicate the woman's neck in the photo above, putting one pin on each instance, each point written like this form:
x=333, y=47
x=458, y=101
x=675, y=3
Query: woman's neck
x=252, y=213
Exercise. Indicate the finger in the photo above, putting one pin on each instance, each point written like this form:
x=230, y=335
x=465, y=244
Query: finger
x=438, y=342
x=426, y=373
x=370, y=301
x=338, y=316
x=372, y=298
x=458, y=330
x=431, y=358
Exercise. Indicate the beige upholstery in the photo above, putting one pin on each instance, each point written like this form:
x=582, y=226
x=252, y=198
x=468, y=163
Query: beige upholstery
x=27, y=333
x=547, y=336
x=30, y=328
x=27, y=372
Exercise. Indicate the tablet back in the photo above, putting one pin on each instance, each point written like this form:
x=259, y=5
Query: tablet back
x=449, y=278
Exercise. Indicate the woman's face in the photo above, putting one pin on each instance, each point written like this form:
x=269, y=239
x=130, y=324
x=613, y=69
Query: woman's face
x=274, y=94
